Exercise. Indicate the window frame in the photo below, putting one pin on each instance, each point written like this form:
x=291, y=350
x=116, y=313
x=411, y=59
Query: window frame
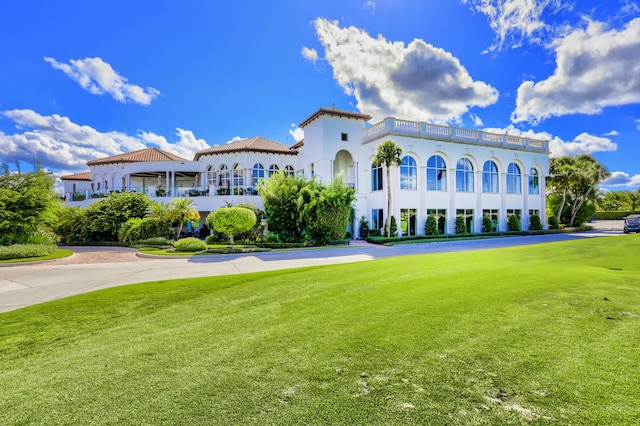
x=464, y=175
x=514, y=180
x=490, y=178
x=410, y=170
x=436, y=173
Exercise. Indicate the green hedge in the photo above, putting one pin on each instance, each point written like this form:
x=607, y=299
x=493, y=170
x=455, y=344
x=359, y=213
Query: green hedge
x=613, y=215
x=264, y=244
x=24, y=251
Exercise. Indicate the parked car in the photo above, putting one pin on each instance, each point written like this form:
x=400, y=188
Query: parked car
x=631, y=223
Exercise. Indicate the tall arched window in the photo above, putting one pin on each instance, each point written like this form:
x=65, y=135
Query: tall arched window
x=436, y=174
x=464, y=175
x=376, y=177
x=514, y=179
x=490, y=177
x=273, y=169
x=408, y=173
x=257, y=173
x=534, y=181
x=238, y=179
x=289, y=170
x=223, y=176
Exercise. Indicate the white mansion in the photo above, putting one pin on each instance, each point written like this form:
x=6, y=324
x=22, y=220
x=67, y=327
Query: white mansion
x=445, y=171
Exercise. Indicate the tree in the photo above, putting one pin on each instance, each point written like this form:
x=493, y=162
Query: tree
x=461, y=225
x=487, y=224
x=513, y=223
x=388, y=154
x=280, y=194
x=572, y=183
x=431, y=225
x=231, y=221
x=28, y=207
x=105, y=217
x=181, y=210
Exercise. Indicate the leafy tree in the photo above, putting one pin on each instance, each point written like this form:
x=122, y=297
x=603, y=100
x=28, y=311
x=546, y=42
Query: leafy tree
x=633, y=200
x=280, y=195
x=258, y=229
x=573, y=182
x=431, y=225
x=73, y=226
x=231, y=221
x=136, y=229
x=28, y=206
x=181, y=210
x=106, y=216
x=388, y=154
x=328, y=212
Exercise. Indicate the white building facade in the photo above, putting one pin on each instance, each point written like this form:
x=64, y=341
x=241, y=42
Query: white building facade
x=445, y=171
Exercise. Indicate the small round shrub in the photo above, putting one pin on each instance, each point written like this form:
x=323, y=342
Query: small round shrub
x=553, y=222
x=513, y=223
x=190, y=245
x=534, y=223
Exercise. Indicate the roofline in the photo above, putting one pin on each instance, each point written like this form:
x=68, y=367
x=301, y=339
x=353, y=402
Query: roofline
x=265, y=151
x=335, y=112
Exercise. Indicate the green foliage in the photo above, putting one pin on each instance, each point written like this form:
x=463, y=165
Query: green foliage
x=364, y=228
x=553, y=222
x=136, y=229
x=73, y=226
x=535, y=224
x=231, y=221
x=393, y=228
x=388, y=153
x=513, y=223
x=24, y=251
x=431, y=225
x=155, y=241
x=461, y=225
x=615, y=215
x=190, y=245
x=258, y=230
x=298, y=209
x=28, y=207
x=181, y=210
x=105, y=217
x=487, y=224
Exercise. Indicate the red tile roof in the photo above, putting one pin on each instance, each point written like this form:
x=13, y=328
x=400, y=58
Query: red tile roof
x=140, y=156
x=254, y=144
x=335, y=112
x=77, y=176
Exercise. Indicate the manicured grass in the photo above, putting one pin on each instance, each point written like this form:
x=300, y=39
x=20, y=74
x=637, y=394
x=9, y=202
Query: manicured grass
x=544, y=334
x=57, y=254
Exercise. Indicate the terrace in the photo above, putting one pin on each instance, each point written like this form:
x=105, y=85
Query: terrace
x=393, y=126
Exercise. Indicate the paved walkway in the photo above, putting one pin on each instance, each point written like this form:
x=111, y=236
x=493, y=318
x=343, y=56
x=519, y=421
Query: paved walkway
x=95, y=268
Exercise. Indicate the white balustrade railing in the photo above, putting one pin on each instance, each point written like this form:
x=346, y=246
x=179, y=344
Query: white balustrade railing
x=467, y=134
x=411, y=126
x=515, y=140
x=491, y=137
x=436, y=129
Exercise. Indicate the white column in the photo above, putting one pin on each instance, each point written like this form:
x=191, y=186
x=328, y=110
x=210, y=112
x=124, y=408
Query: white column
x=451, y=214
x=525, y=204
x=477, y=217
x=503, y=202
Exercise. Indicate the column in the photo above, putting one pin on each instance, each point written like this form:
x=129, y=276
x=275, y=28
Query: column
x=451, y=213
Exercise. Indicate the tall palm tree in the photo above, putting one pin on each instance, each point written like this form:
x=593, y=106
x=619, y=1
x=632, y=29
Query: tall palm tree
x=388, y=154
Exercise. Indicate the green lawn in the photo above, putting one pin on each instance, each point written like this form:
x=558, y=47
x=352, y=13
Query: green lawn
x=544, y=334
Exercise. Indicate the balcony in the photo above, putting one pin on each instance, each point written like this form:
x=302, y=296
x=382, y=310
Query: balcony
x=392, y=126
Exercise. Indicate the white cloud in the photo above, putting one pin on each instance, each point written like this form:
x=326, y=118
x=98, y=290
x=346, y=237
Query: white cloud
x=417, y=81
x=98, y=77
x=477, y=121
x=61, y=144
x=595, y=68
x=370, y=5
x=622, y=179
x=584, y=143
x=310, y=55
x=612, y=133
x=514, y=21
x=296, y=132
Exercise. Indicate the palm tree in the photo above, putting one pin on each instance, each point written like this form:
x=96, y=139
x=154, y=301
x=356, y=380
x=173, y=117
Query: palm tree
x=160, y=211
x=634, y=199
x=388, y=153
x=182, y=209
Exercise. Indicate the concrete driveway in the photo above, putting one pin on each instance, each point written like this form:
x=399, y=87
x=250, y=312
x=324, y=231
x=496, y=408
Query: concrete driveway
x=95, y=268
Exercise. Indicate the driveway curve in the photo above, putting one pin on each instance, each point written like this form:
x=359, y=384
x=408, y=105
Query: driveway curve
x=96, y=268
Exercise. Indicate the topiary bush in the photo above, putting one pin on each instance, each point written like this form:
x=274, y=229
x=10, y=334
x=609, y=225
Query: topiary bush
x=487, y=224
x=513, y=223
x=394, y=228
x=553, y=222
x=364, y=228
x=534, y=223
x=431, y=225
x=190, y=245
x=461, y=225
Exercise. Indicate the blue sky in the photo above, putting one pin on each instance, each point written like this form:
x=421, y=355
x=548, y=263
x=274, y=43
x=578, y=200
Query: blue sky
x=81, y=80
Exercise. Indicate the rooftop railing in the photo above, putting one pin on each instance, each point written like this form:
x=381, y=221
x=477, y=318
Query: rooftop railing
x=392, y=126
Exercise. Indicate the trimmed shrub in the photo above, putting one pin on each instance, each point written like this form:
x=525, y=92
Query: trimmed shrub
x=613, y=215
x=487, y=224
x=24, y=251
x=431, y=225
x=534, y=223
x=364, y=228
x=190, y=245
x=553, y=222
x=156, y=241
x=513, y=223
x=461, y=225
x=394, y=228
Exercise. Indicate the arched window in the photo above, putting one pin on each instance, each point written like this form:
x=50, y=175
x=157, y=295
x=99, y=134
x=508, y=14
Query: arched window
x=289, y=170
x=464, y=175
x=257, y=173
x=273, y=169
x=376, y=177
x=436, y=174
x=490, y=177
x=513, y=179
x=223, y=176
x=238, y=178
x=408, y=173
x=534, y=181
